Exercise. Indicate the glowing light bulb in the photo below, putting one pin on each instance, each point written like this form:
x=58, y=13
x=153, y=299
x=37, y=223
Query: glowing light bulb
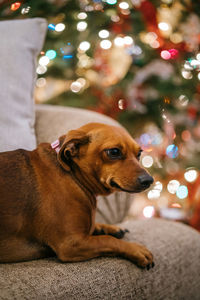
x=148, y=211
x=41, y=82
x=165, y=54
x=81, y=26
x=111, y=2
x=182, y=192
x=51, y=26
x=172, y=186
x=75, y=86
x=124, y=5
x=105, y=44
x=172, y=151
x=119, y=41
x=41, y=70
x=15, y=6
x=158, y=186
x=128, y=40
x=104, y=33
x=44, y=60
x=163, y=26
x=153, y=194
x=186, y=74
x=51, y=54
x=147, y=161
x=84, y=46
x=82, y=16
x=25, y=10
x=59, y=27
x=191, y=175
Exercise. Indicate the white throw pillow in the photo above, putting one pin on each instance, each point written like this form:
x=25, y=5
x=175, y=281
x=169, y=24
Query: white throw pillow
x=20, y=43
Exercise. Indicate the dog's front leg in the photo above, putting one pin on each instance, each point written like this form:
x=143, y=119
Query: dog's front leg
x=87, y=247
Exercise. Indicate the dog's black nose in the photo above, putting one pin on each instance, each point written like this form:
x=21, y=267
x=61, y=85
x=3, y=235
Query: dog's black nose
x=145, y=180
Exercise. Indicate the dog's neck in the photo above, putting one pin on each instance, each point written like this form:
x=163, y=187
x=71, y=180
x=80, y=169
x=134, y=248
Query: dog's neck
x=90, y=185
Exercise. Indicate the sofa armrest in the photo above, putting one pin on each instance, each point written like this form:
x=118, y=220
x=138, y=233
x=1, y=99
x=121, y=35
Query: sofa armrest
x=53, y=121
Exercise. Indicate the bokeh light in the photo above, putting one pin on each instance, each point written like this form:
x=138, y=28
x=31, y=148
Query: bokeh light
x=105, y=44
x=59, y=27
x=44, y=60
x=173, y=186
x=182, y=192
x=84, y=46
x=81, y=26
x=149, y=211
x=172, y=151
x=147, y=161
x=82, y=16
x=124, y=5
x=190, y=175
x=51, y=54
x=104, y=34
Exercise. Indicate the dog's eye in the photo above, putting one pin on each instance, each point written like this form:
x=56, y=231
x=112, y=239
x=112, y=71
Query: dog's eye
x=114, y=153
x=139, y=154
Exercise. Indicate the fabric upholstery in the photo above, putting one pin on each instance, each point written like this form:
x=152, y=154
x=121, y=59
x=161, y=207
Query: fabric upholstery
x=176, y=275
x=54, y=121
x=20, y=43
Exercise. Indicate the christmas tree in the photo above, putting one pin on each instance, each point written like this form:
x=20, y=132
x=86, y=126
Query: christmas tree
x=137, y=61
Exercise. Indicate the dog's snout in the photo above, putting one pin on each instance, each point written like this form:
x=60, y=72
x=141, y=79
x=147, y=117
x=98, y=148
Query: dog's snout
x=145, y=180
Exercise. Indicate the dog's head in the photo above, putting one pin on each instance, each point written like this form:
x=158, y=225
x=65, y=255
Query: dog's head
x=107, y=156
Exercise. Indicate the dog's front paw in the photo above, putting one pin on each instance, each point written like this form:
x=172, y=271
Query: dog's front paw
x=141, y=256
x=110, y=230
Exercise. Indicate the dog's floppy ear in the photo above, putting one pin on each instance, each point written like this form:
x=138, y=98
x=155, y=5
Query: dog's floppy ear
x=70, y=147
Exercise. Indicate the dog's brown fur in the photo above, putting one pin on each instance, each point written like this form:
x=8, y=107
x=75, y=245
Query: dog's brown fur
x=48, y=200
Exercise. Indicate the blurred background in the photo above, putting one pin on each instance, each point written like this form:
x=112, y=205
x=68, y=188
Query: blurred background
x=137, y=61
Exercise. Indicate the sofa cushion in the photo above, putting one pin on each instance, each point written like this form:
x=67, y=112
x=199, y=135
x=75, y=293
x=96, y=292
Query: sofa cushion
x=175, y=276
x=21, y=42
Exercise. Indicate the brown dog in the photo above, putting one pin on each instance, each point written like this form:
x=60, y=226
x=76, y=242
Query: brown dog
x=48, y=196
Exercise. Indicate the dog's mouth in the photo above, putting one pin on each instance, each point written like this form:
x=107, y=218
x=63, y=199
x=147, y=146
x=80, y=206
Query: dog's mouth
x=135, y=190
x=117, y=186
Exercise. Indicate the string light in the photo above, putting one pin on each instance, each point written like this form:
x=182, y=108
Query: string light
x=148, y=211
x=186, y=74
x=190, y=175
x=182, y=192
x=147, y=161
x=163, y=26
x=105, y=44
x=173, y=186
x=124, y=5
x=44, y=60
x=172, y=151
x=25, y=10
x=41, y=70
x=104, y=33
x=128, y=40
x=75, y=87
x=111, y=2
x=82, y=16
x=41, y=82
x=59, y=27
x=15, y=6
x=81, y=26
x=51, y=26
x=165, y=54
x=51, y=54
x=119, y=41
x=84, y=46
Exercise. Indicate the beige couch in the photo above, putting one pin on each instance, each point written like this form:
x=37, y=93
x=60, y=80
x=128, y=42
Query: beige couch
x=176, y=247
